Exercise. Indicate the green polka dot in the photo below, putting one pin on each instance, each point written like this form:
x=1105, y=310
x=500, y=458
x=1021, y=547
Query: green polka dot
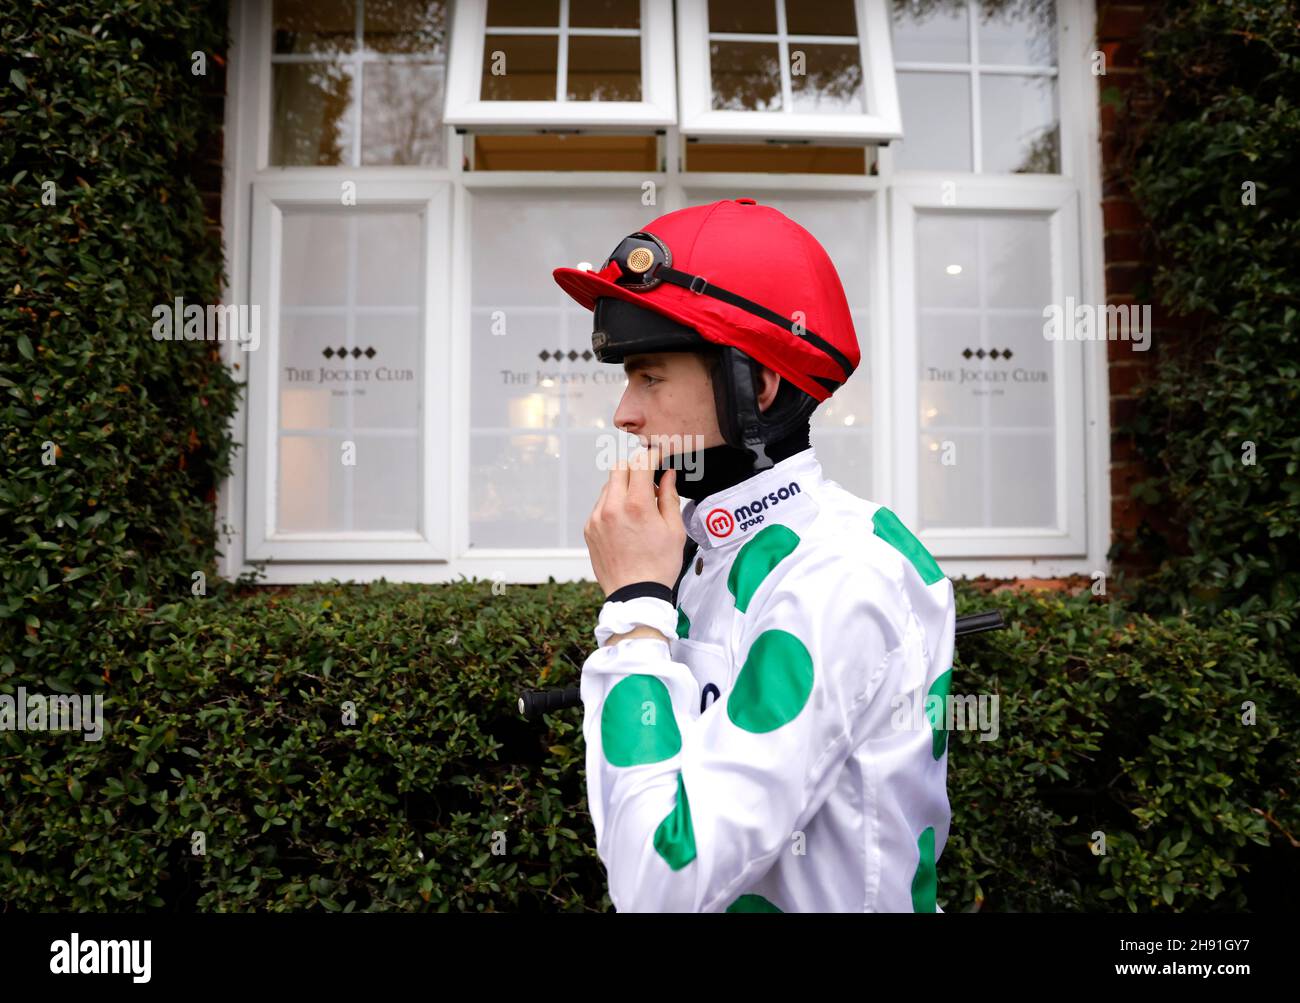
x=683, y=623
x=890, y=529
x=925, y=883
x=675, y=839
x=773, y=685
x=756, y=558
x=936, y=711
x=637, y=725
x=752, y=903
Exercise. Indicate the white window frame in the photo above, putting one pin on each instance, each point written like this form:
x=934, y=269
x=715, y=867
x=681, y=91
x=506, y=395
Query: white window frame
x=880, y=123
x=431, y=540
x=993, y=195
x=464, y=109
x=247, y=132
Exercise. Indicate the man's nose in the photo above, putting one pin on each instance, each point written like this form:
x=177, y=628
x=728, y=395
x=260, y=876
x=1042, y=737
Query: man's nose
x=625, y=416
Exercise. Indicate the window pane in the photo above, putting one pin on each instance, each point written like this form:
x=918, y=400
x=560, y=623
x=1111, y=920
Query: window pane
x=754, y=16
x=604, y=68
x=746, y=76
x=604, y=13
x=985, y=369
x=406, y=26
x=538, y=397
x=388, y=258
x=826, y=17
x=311, y=119
x=831, y=80
x=936, y=121
x=931, y=34
x=348, y=372
x=1018, y=123
x=523, y=13
x=319, y=493
x=324, y=26
x=1022, y=32
x=314, y=261
x=519, y=67
x=401, y=114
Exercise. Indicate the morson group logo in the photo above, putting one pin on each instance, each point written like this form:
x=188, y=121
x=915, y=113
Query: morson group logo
x=721, y=523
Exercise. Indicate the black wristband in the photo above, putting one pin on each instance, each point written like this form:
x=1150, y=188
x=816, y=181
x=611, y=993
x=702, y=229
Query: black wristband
x=656, y=590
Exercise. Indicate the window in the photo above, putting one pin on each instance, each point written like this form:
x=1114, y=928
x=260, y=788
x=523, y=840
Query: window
x=342, y=441
x=782, y=68
x=425, y=405
x=561, y=63
x=356, y=82
x=977, y=85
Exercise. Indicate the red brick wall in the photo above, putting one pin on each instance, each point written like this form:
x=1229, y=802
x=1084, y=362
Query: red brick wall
x=1118, y=29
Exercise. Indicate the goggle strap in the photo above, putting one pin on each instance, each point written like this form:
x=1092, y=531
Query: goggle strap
x=699, y=286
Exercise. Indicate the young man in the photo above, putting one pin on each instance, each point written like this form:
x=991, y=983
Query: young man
x=751, y=711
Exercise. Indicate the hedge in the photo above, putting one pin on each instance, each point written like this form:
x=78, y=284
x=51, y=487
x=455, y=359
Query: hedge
x=1212, y=139
x=112, y=443
x=226, y=718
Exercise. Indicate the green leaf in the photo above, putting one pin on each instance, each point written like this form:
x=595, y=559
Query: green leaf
x=17, y=79
x=25, y=347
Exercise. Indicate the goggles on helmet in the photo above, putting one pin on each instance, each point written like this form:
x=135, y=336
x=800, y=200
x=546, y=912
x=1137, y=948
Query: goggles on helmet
x=645, y=261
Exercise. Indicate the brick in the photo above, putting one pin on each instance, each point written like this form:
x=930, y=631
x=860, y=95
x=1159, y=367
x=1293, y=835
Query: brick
x=1123, y=476
x=1121, y=214
x=1124, y=516
x=1126, y=377
x=1124, y=278
x=1120, y=21
x=1122, y=410
x=1124, y=245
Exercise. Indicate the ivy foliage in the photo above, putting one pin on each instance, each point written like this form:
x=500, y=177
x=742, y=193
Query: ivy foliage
x=112, y=443
x=1213, y=139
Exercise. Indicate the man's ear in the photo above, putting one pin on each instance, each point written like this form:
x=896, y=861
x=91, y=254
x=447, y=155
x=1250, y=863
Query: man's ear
x=771, y=381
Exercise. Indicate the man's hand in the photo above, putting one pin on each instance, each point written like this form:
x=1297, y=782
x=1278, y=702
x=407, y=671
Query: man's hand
x=631, y=535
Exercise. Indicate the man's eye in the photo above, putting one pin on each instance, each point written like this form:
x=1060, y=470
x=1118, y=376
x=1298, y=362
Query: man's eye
x=650, y=379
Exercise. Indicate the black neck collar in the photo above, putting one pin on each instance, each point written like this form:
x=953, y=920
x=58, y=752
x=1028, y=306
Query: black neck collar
x=723, y=466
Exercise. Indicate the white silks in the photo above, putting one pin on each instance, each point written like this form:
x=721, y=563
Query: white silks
x=758, y=759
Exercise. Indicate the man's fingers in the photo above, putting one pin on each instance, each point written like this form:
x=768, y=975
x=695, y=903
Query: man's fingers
x=641, y=478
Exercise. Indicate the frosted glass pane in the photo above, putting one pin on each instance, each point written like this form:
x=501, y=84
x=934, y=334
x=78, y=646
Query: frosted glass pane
x=349, y=366
x=935, y=108
x=313, y=265
x=388, y=258
x=531, y=367
x=985, y=371
x=514, y=491
x=947, y=252
x=320, y=493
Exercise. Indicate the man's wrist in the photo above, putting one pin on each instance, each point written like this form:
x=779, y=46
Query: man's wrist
x=623, y=616
x=640, y=631
x=657, y=590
